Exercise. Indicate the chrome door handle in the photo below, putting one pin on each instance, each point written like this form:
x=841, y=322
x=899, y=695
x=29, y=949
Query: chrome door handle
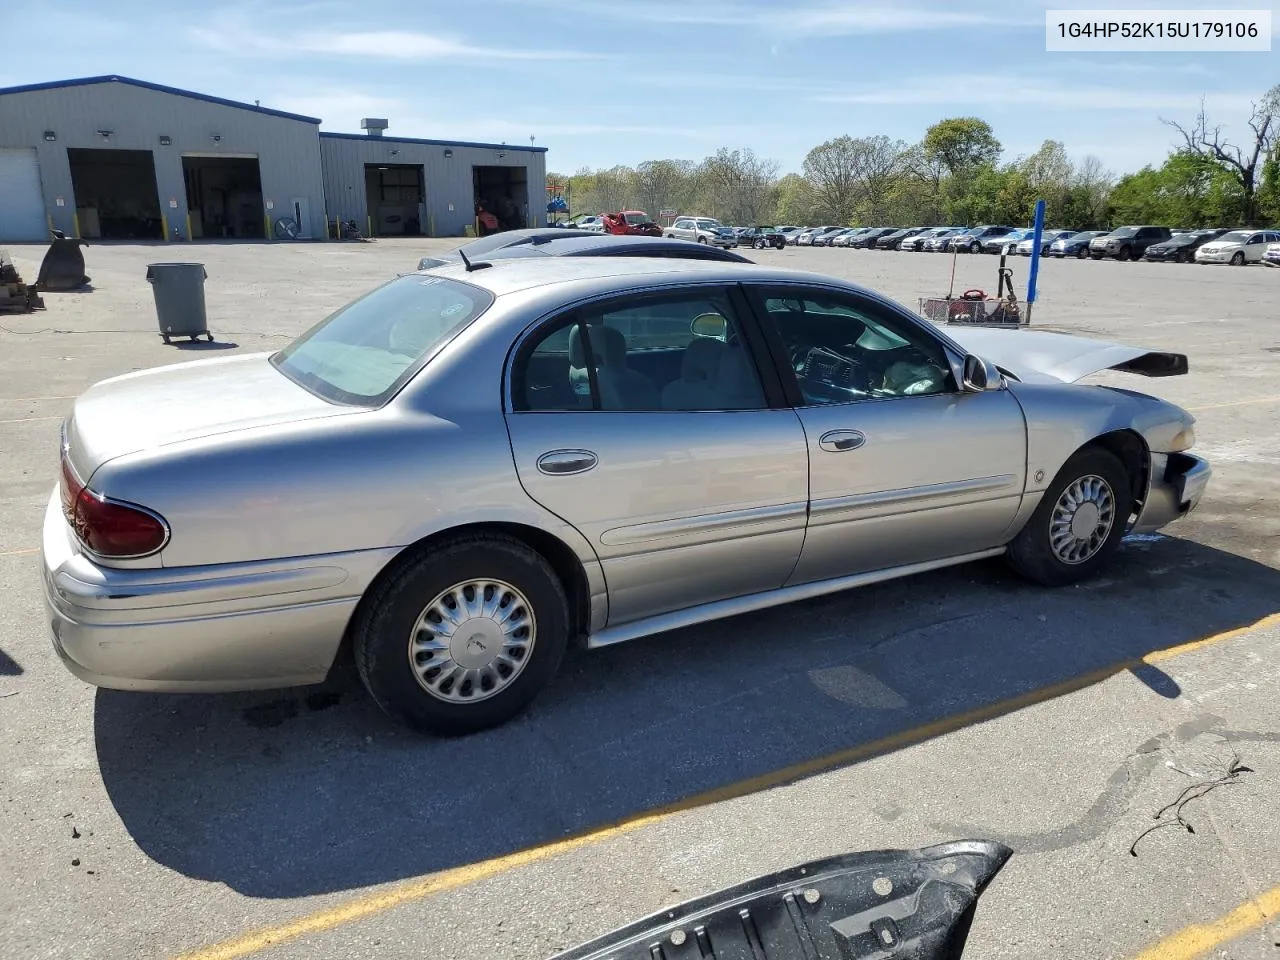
x=559, y=463
x=838, y=441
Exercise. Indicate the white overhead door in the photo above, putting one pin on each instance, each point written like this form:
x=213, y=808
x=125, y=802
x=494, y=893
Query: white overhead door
x=21, y=203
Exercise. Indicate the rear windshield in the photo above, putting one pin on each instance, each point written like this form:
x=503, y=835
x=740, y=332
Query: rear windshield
x=366, y=351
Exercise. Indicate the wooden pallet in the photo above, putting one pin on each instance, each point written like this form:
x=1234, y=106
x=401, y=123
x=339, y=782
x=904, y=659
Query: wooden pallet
x=15, y=296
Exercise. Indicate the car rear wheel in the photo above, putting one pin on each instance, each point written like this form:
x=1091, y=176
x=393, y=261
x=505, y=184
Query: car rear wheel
x=462, y=636
x=1237, y=259
x=1079, y=522
x=1082, y=253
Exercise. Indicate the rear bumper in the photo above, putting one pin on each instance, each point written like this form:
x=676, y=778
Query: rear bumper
x=1178, y=481
x=221, y=627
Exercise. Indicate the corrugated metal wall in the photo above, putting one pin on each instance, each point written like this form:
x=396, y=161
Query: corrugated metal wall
x=287, y=150
x=447, y=180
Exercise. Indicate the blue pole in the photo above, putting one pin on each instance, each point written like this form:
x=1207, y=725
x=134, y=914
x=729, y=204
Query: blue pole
x=1035, y=257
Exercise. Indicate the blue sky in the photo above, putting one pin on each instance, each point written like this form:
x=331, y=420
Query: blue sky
x=601, y=82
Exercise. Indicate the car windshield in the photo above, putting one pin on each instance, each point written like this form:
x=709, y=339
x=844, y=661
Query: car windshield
x=1235, y=236
x=635, y=217
x=1124, y=232
x=369, y=349
x=709, y=224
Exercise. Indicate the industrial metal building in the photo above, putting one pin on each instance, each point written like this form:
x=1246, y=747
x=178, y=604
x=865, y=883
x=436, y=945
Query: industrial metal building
x=115, y=158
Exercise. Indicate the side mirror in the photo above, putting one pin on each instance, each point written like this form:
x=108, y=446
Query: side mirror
x=980, y=376
x=711, y=325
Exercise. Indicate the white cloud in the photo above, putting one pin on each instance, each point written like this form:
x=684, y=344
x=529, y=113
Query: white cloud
x=800, y=18
x=379, y=44
x=1012, y=90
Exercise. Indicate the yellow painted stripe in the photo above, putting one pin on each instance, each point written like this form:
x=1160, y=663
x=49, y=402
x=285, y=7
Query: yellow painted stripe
x=1200, y=938
x=31, y=399
x=410, y=891
x=1234, y=403
x=20, y=553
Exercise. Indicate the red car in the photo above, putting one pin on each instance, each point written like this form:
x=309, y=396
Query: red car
x=634, y=223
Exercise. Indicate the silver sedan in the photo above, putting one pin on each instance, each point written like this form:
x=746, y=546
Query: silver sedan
x=466, y=471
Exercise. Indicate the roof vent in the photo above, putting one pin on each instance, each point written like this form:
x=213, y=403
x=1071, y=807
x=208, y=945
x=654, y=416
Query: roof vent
x=373, y=126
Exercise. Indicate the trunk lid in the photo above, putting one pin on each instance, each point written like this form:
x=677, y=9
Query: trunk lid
x=1038, y=356
x=184, y=401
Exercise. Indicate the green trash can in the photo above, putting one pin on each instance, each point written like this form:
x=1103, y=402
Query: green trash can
x=179, y=293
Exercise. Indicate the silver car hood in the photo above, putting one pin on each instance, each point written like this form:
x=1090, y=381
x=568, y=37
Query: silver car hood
x=1037, y=356
x=185, y=401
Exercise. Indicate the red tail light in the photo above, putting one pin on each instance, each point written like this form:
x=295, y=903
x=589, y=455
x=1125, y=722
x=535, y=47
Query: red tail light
x=107, y=527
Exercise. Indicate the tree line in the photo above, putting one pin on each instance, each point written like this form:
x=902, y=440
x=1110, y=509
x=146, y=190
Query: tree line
x=956, y=175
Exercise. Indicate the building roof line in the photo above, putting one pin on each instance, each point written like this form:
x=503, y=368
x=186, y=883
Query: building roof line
x=365, y=138
x=159, y=88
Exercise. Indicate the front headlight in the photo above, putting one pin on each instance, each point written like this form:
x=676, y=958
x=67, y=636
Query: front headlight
x=1184, y=439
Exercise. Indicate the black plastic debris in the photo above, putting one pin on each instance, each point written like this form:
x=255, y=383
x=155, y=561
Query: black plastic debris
x=63, y=264
x=916, y=904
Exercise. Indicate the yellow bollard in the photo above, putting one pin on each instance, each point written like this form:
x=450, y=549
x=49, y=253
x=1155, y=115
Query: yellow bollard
x=266, y=225
x=164, y=225
x=188, y=225
x=370, y=224
x=75, y=219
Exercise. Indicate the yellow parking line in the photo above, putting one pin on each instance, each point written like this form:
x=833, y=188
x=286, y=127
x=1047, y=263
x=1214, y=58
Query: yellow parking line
x=413, y=890
x=1233, y=403
x=1199, y=938
x=19, y=553
x=31, y=399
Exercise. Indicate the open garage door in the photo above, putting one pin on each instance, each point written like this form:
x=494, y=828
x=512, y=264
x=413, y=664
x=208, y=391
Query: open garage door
x=224, y=196
x=394, y=196
x=504, y=192
x=116, y=197
x=21, y=203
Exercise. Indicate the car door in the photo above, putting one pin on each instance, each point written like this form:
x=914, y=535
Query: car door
x=904, y=467
x=690, y=480
x=1254, y=247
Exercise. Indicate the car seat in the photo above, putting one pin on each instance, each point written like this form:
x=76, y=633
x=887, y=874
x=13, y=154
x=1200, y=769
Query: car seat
x=621, y=388
x=697, y=388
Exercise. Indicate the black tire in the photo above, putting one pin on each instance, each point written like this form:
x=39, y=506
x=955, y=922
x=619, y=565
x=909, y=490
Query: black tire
x=1123, y=254
x=975, y=247
x=1186, y=256
x=1082, y=253
x=1031, y=553
x=382, y=627
x=702, y=239
x=1237, y=259
x=1095, y=256
x=165, y=337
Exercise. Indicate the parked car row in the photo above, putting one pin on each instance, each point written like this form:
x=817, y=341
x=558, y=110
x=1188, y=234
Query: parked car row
x=1133, y=242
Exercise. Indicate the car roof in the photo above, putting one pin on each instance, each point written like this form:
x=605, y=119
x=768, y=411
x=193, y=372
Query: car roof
x=589, y=244
x=508, y=276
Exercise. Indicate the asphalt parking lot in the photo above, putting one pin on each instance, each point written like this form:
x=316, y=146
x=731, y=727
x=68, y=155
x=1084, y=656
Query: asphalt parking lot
x=964, y=703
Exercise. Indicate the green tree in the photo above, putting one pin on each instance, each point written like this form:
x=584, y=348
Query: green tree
x=796, y=201
x=962, y=143
x=832, y=170
x=1241, y=159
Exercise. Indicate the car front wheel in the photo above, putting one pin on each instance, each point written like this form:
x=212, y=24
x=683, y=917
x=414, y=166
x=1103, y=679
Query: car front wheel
x=1237, y=259
x=1079, y=522
x=462, y=636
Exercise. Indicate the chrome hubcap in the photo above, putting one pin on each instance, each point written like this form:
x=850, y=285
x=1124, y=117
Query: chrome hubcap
x=1082, y=519
x=472, y=641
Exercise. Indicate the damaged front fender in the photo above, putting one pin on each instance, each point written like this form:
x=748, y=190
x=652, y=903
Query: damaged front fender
x=916, y=904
